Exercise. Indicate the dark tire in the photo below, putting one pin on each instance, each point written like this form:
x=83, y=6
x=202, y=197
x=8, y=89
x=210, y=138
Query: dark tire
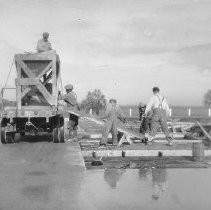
x=55, y=135
x=58, y=135
x=61, y=134
x=6, y=138
x=3, y=135
x=22, y=134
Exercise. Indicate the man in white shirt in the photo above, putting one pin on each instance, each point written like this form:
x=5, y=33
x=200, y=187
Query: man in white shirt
x=43, y=44
x=160, y=110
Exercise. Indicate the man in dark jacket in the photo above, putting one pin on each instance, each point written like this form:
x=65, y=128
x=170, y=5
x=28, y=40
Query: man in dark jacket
x=111, y=116
x=71, y=100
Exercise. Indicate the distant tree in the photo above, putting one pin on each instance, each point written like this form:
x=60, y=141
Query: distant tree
x=95, y=100
x=207, y=98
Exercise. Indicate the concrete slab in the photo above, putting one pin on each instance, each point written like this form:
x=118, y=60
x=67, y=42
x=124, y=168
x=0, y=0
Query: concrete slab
x=73, y=156
x=41, y=175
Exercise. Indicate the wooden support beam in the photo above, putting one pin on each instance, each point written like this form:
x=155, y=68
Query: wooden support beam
x=27, y=81
x=204, y=131
x=37, y=56
x=26, y=69
x=25, y=91
x=18, y=88
x=54, y=81
x=46, y=94
x=45, y=70
x=129, y=133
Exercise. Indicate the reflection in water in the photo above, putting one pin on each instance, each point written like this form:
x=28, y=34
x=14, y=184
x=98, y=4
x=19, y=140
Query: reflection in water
x=112, y=176
x=159, y=177
x=143, y=173
x=152, y=189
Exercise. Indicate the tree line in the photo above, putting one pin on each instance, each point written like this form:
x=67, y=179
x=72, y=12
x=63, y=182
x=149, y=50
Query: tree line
x=96, y=101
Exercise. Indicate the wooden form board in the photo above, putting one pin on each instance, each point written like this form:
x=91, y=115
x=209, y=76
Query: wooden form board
x=38, y=76
x=129, y=133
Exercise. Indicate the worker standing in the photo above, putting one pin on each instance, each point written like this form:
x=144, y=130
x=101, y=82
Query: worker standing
x=43, y=44
x=71, y=100
x=160, y=110
x=112, y=114
x=142, y=118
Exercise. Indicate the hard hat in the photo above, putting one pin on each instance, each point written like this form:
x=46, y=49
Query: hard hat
x=45, y=34
x=68, y=87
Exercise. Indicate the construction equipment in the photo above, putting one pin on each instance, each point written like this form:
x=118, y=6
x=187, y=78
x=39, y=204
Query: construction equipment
x=37, y=95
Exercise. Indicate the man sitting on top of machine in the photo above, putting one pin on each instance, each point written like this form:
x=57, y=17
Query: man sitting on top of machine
x=43, y=44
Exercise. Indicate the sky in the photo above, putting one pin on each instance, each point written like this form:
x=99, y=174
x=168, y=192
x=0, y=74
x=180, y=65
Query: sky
x=123, y=47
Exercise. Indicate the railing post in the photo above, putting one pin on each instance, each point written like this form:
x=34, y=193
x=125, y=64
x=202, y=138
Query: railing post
x=189, y=112
x=90, y=111
x=209, y=112
x=170, y=112
x=130, y=112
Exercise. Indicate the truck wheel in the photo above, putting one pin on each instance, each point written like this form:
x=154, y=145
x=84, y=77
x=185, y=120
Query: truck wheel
x=55, y=135
x=61, y=134
x=3, y=135
x=6, y=138
x=22, y=134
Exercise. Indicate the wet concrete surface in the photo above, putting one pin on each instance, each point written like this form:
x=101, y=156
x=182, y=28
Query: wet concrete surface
x=163, y=189
x=40, y=175
x=43, y=175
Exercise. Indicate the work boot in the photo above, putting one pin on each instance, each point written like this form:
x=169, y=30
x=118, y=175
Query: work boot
x=102, y=144
x=148, y=139
x=170, y=140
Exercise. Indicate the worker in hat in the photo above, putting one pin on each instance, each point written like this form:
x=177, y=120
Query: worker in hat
x=111, y=116
x=71, y=101
x=43, y=44
x=160, y=110
x=142, y=117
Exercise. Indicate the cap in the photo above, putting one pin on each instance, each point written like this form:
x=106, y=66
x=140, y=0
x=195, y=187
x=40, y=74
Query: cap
x=45, y=34
x=155, y=89
x=68, y=87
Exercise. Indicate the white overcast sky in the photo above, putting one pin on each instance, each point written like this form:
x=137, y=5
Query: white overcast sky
x=123, y=47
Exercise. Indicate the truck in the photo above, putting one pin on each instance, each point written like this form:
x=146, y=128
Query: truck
x=37, y=109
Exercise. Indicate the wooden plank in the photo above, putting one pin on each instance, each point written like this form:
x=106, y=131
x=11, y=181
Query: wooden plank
x=138, y=153
x=26, y=69
x=163, y=141
x=54, y=81
x=131, y=134
x=45, y=70
x=35, y=108
x=204, y=131
x=37, y=56
x=27, y=81
x=18, y=88
x=46, y=94
x=25, y=91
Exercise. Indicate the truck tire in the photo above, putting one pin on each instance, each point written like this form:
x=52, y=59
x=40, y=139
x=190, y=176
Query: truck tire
x=61, y=134
x=22, y=134
x=58, y=135
x=6, y=138
x=3, y=135
x=55, y=135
